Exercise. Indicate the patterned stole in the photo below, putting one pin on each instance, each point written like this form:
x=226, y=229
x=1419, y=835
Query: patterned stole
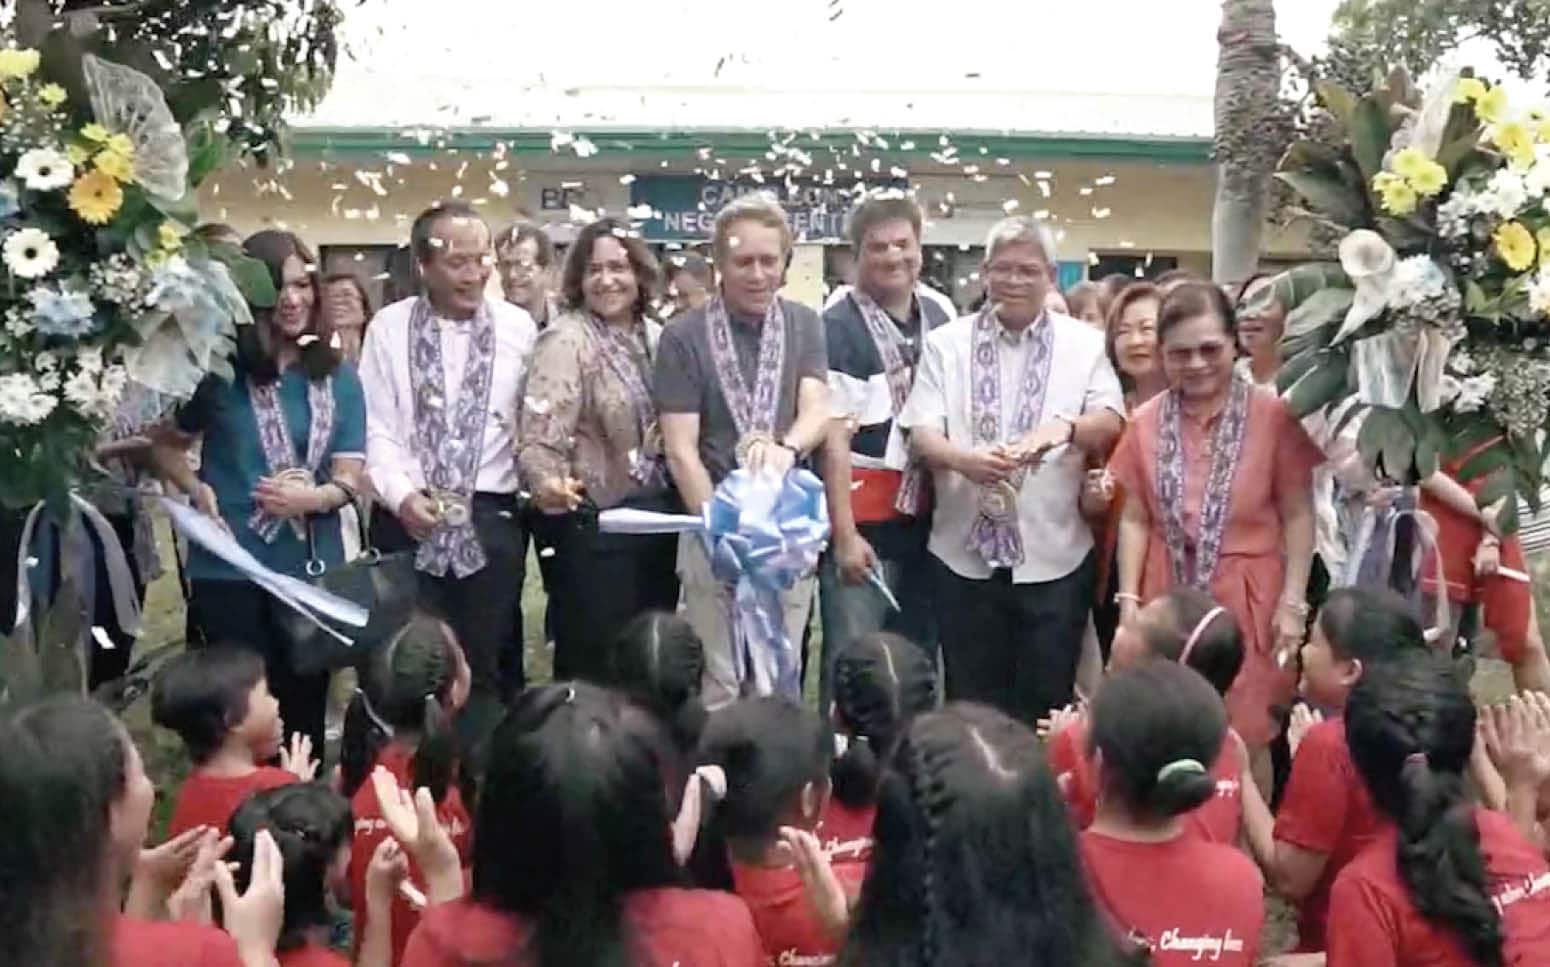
x=280, y=452
x=901, y=377
x=450, y=445
x=753, y=412
x=628, y=356
x=995, y=535
x=1194, y=557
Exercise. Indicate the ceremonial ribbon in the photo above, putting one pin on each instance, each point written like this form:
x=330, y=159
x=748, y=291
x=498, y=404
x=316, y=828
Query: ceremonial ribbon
x=762, y=535
x=77, y=562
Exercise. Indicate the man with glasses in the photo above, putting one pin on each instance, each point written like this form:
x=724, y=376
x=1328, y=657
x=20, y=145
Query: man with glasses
x=1007, y=407
x=524, y=257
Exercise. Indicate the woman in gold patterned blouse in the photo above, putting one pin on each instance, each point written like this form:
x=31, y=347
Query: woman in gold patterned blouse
x=590, y=442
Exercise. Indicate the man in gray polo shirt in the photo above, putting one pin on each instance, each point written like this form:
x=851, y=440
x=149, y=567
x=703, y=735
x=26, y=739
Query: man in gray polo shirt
x=741, y=381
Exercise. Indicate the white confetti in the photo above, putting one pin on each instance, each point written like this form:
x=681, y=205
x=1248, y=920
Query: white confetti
x=103, y=638
x=541, y=407
x=1105, y=181
x=546, y=552
x=1010, y=205
x=1101, y=213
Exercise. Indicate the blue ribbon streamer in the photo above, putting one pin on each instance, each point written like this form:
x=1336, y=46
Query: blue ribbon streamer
x=762, y=535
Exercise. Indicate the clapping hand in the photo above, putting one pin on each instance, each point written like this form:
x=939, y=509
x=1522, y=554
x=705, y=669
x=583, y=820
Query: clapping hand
x=190, y=902
x=1039, y=441
x=1517, y=738
x=1303, y=719
x=412, y=821
x=823, y=887
x=253, y=919
x=297, y=760
x=287, y=498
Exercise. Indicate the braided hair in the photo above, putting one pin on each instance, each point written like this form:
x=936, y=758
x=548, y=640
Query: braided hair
x=405, y=689
x=657, y=662
x=881, y=681
x=976, y=864
x=1410, y=723
x=311, y=824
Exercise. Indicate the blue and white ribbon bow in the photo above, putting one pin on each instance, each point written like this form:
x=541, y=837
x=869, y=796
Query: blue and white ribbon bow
x=762, y=535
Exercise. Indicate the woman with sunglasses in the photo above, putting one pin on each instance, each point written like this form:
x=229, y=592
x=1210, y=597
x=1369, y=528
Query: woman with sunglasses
x=1218, y=482
x=590, y=441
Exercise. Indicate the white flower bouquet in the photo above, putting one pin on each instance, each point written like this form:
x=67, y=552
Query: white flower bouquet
x=1436, y=317
x=104, y=286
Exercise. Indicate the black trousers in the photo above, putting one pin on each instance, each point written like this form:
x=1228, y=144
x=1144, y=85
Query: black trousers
x=243, y=614
x=484, y=608
x=1013, y=646
x=597, y=584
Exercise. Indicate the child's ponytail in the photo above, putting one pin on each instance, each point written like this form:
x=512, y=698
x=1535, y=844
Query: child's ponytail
x=881, y=681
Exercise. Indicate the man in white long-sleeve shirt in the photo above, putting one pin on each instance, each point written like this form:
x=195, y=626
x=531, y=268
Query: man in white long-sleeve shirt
x=443, y=373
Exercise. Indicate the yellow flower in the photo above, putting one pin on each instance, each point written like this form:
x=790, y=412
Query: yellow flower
x=78, y=154
x=1542, y=237
x=1515, y=246
x=1468, y=89
x=1431, y=179
x=96, y=197
x=1491, y=105
x=120, y=144
x=94, y=132
x=17, y=63
x=1398, y=197
x=116, y=165
x=2, y=104
x=169, y=236
x=156, y=258
x=52, y=95
x=1514, y=142
x=1409, y=162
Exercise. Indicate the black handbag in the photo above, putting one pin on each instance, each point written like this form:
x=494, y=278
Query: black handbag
x=386, y=585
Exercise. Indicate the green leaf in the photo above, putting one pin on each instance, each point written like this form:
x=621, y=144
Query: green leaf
x=1336, y=99
x=1370, y=135
x=1369, y=439
x=252, y=278
x=1398, y=444
x=1498, y=487
x=184, y=210
x=1323, y=384
x=1322, y=308
x=1507, y=520
x=206, y=154
x=1296, y=285
x=1328, y=196
x=1293, y=369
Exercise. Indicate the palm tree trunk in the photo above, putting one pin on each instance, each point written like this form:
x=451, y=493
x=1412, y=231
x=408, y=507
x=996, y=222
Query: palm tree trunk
x=1248, y=81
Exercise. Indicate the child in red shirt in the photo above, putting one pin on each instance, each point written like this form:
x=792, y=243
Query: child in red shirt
x=401, y=720
x=1154, y=728
x=573, y=859
x=881, y=681
x=218, y=702
x=1326, y=817
x=311, y=824
x=775, y=754
x=1187, y=627
x=1410, y=724
x=77, y=804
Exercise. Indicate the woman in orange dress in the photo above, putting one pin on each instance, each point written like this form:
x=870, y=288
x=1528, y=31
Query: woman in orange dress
x=1219, y=495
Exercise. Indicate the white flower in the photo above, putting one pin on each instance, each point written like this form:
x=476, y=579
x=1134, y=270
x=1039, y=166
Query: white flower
x=1415, y=280
x=95, y=398
x=30, y=253
x=1461, y=362
x=22, y=401
x=1539, y=294
x=1537, y=179
x=1506, y=195
x=44, y=169
x=1473, y=392
x=1368, y=259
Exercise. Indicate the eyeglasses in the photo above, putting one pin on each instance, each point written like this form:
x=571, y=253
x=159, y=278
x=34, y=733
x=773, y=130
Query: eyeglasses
x=1010, y=272
x=1210, y=353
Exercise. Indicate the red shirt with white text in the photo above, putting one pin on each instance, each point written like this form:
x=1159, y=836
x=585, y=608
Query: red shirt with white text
x=207, y=800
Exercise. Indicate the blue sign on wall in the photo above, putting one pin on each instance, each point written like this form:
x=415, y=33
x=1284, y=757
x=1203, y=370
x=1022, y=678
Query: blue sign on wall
x=684, y=207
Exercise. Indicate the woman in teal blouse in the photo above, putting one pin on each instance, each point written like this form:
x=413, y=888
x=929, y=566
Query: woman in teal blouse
x=283, y=447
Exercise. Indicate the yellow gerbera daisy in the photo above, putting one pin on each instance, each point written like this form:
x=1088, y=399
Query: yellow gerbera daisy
x=1399, y=198
x=1491, y=105
x=116, y=165
x=94, y=132
x=1431, y=179
x=17, y=63
x=96, y=197
x=1515, y=246
x=1468, y=89
x=1515, y=143
x=78, y=153
x=52, y=95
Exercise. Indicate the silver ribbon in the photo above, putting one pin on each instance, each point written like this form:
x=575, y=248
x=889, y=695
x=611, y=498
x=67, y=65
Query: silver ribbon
x=1387, y=366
